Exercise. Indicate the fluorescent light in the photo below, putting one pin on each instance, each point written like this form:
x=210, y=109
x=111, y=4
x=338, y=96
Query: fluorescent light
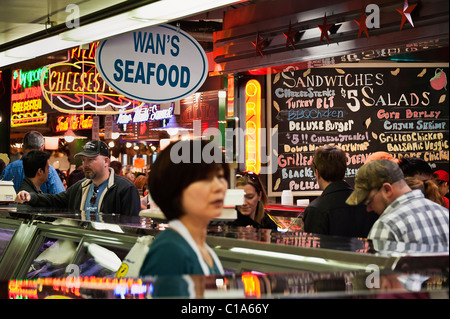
x=175, y=9
x=273, y=254
x=34, y=49
x=106, y=28
x=152, y=14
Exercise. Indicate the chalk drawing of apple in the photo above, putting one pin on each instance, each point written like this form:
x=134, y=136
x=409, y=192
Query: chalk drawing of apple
x=439, y=80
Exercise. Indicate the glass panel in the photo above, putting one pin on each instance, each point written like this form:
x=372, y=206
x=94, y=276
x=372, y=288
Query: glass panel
x=99, y=260
x=5, y=237
x=52, y=258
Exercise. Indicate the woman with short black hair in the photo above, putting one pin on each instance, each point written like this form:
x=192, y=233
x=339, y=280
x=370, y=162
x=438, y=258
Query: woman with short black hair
x=188, y=182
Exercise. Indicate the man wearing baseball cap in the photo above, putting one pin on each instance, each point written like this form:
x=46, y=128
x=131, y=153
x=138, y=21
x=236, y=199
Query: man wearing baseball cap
x=405, y=214
x=101, y=191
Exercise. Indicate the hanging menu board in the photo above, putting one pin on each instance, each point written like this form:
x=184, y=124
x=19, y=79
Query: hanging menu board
x=400, y=110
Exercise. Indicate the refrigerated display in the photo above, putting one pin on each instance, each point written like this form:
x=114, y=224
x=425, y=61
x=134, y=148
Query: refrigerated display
x=240, y=249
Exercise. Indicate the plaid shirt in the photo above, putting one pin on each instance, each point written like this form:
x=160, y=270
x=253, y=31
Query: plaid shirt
x=412, y=218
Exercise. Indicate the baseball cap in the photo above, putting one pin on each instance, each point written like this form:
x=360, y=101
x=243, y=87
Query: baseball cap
x=94, y=148
x=443, y=175
x=373, y=175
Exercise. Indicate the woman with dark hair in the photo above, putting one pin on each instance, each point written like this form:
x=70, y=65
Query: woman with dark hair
x=188, y=182
x=253, y=211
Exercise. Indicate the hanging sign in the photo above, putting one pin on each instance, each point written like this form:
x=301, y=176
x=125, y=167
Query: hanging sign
x=157, y=65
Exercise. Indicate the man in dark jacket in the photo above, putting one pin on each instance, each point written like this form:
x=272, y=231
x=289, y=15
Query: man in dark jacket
x=329, y=214
x=101, y=191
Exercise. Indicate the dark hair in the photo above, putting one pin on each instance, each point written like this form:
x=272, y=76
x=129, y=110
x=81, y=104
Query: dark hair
x=74, y=177
x=33, y=161
x=331, y=162
x=33, y=140
x=179, y=165
x=412, y=166
x=116, y=166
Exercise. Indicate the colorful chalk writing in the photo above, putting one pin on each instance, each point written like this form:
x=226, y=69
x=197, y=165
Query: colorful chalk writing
x=400, y=110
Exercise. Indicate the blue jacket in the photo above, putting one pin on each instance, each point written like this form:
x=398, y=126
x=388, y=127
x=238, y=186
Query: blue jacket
x=53, y=185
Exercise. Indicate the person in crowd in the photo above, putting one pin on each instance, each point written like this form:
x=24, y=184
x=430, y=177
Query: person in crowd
x=440, y=177
x=415, y=167
x=130, y=176
x=35, y=167
x=117, y=167
x=32, y=140
x=62, y=176
x=2, y=166
x=329, y=214
x=75, y=176
x=428, y=188
x=141, y=184
x=101, y=191
x=405, y=214
x=190, y=193
x=253, y=211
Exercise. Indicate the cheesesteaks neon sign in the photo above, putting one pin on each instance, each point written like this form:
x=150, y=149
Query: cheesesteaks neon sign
x=253, y=126
x=77, y=88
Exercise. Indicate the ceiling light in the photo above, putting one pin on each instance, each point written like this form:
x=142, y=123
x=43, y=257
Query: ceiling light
x=70, y=136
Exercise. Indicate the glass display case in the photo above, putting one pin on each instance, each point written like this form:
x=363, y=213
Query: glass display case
x=79, y=247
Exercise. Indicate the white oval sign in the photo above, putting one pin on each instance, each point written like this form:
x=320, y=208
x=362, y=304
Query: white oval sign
x=156, y=65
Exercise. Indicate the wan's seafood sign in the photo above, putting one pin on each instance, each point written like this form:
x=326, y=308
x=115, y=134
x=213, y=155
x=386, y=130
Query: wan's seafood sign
x=155, y=65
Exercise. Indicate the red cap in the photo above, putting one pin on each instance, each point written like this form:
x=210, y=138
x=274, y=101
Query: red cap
x=443, y=175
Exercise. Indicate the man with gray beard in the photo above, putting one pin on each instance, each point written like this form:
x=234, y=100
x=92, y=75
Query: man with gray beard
x=101, y=192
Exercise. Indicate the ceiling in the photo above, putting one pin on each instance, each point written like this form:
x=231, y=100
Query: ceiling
x=22, y=21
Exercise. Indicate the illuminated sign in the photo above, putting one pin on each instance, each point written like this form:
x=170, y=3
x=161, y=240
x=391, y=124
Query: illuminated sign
x=158, y=64
x=77, y=88
x=144, y=114
x=26, y=98
x=74, y=122
x=253, y=126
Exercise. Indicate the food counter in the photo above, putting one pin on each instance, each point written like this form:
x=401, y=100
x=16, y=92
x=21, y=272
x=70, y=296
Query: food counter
x=42, y=243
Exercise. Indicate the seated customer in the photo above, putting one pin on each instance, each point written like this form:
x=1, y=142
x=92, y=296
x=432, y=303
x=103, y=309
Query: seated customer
x=190, y=191
x=329, y=214
x=35, y=168
x=252, y=212
x=405, y=214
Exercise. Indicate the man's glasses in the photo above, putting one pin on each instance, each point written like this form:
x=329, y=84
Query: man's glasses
x=94, y=195
x=369, y=200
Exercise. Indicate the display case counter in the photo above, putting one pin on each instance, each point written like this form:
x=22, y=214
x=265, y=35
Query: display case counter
x=249, y=285
x=71, y=241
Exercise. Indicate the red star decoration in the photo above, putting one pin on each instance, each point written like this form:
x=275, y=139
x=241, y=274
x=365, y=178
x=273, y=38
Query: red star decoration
x=362, y=24
x=260, y=44
x=406, y=13
x=324, y=28
x=290, y=36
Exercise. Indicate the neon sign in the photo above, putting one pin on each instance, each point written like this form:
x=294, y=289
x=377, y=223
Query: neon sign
x=144, y=114
x=74, y=122
x=77, y=88
x=26, y=101
x=253, y=126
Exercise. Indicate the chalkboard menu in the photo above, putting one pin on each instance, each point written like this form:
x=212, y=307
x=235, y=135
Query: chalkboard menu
x=400, y=110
